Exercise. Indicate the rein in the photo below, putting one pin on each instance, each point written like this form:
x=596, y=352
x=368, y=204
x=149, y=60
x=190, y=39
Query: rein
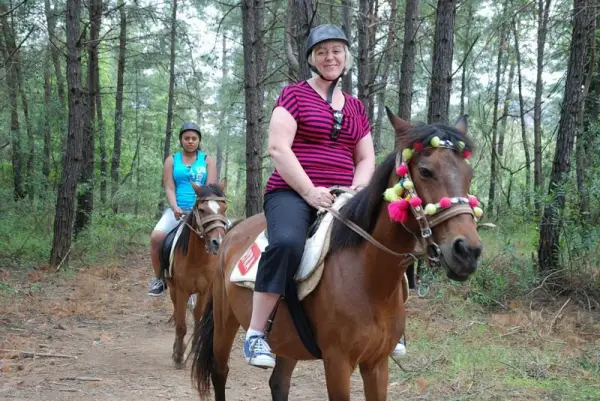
x=208, y=223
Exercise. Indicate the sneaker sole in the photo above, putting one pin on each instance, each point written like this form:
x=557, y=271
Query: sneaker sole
x=150, y=294
x=257, y=364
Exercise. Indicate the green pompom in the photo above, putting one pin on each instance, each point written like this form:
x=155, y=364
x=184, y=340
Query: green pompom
x=430, y=209
x=391, y=195
x=407, y=154
x=461, y=145
x=399, y=189
x=435, y=142
x=408, y=184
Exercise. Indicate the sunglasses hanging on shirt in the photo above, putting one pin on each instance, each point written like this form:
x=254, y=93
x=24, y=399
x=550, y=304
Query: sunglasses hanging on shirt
x=338, y=119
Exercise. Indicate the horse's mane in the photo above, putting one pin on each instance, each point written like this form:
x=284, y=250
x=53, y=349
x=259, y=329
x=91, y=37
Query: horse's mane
x=184, y=238
x=363, y=208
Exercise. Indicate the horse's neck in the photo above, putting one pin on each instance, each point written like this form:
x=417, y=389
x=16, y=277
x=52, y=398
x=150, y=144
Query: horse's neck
x=382, y=270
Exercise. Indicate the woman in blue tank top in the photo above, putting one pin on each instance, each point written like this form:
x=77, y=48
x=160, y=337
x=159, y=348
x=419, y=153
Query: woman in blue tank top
x=178, y=170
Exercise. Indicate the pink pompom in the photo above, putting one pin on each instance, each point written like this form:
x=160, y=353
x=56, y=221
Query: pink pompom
x=445, y=202
x=398, y=211
x=417, y=146
x=402, y=170
x=466, y=154
x=473, y=201
x=415, y=202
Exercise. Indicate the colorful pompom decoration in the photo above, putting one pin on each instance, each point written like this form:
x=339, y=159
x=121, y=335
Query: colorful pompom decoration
x=407, y=154
x=399, y=189
x=478, y=212
x=398, y=210
x=402, y=170
x=467, y=154
x=435, y=142
x=467, y=161
x=408, y=184
x=391, y=195
x=461, y=145
x=418, y=147
x=430, y=209
x=445, y=202
x=415, y=201
x=473, y=201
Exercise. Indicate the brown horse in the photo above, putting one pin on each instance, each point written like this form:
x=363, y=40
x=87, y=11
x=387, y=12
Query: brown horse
x=194, y=258
x=357, y=311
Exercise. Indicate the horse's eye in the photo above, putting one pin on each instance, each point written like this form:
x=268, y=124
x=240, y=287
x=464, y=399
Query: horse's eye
x=426, y=173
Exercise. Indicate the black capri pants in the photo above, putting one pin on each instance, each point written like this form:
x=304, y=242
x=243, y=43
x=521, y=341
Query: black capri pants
x=288, y=219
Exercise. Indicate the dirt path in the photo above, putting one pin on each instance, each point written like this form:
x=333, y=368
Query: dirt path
x=121, y=342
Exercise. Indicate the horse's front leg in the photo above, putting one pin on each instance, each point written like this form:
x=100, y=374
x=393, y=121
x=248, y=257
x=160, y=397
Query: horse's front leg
x=375, y=379
x=337, y=376
x=180, y=302
x=281, y=378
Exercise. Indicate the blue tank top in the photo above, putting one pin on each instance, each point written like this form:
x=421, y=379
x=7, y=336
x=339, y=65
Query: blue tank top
x=182, y=174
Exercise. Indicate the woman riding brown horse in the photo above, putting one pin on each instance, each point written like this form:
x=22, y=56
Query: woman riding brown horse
x=194, y=258
x=356, y=311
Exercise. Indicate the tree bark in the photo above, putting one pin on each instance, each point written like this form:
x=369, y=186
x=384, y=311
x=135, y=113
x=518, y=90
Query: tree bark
x=363, y=53
x=254, y=72
x=65, y=202
x=549, y=251
x=346, y=27
x=407, y=67
x=522, y=116
x=116, y=155
x=223, y=128
x=464, y=90
x=55, y=52
x=304, y=12
x=47, y=112
x=538, y=178
x=441, y=71
x=507, y=100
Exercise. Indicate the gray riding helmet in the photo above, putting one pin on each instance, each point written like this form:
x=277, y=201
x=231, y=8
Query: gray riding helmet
x=189, y=127
x=322, y=33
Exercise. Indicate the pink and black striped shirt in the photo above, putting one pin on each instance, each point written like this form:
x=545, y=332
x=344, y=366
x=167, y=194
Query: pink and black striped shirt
x=327, y=162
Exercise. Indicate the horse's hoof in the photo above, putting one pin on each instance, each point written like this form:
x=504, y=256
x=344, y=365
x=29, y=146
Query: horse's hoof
x=178, y=365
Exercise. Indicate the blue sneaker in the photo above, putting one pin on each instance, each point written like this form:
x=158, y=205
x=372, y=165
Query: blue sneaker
x=400, y=349
x=258, y=353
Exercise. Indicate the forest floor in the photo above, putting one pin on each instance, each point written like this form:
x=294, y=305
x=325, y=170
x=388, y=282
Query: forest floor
x=95, y=335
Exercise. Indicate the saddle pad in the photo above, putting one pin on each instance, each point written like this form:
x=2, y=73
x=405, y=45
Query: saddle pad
x=172, y=252
x=311, y=267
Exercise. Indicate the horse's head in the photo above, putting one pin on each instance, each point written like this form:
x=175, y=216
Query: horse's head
x=430, y=193
x=209, y=214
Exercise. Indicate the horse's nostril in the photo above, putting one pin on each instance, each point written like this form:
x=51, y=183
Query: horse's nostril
x=476, y=251
x=215, y=244
x=460, y=248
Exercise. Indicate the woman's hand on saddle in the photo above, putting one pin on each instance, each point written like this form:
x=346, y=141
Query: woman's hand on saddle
x=319, y=197
x=177, y=212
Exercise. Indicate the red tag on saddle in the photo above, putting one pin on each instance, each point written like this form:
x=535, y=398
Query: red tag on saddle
x=249, y=259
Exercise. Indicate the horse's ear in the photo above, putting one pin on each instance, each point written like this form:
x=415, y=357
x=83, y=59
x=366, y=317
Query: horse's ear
x=223, y=184
x=196, y=188
x=462, y=124
x=400, y=125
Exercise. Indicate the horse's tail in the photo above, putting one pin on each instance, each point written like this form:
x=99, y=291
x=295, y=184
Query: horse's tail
x=202, y=348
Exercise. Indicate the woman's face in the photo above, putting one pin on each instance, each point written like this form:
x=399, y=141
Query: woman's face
x=190, y=141
x=330, y=58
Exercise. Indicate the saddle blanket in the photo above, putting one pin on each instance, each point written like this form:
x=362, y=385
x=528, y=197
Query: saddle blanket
x=313, y=260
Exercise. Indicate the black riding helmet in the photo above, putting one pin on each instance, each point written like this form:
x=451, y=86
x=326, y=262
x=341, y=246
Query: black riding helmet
x=189, y=127
x=322, y=33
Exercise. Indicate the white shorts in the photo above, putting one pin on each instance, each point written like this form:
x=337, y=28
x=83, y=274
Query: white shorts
x=167, y=222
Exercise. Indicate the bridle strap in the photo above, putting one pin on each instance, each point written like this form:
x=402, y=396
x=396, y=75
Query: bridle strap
x=449, y=213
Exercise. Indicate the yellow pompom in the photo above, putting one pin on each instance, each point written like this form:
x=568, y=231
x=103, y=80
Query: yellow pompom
x=461, y=145
x=435, y=142
x=391, y=195
x=407, y=154
x=478, y=211
x=430, y=209
x=408, y=184
x=399, y=189
x=468, y=162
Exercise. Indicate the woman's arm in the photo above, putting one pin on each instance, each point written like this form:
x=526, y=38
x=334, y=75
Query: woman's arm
x=211, y=167
x=282, y=130
x=169, y=183
x=364, y=161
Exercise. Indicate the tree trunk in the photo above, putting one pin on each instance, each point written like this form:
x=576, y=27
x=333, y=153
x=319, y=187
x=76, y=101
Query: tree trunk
x=441, y=71
x=494, y=145
x=522, y=115
x=85, y=197
x=372, y=68
x=116, y=156
x=538, y=179
x=55, y=52
x=65, y=202
x=573, y=101
x=29, y=174
x=47, y=112
x=386, y=63
x=464, y=92
x=407, y=67
x=346, y=27
x=171, y=100
x=254, y=70
x=363, y=53
x=99, y=113
x=223, y=128
x=507, y=100
x=304, y=12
